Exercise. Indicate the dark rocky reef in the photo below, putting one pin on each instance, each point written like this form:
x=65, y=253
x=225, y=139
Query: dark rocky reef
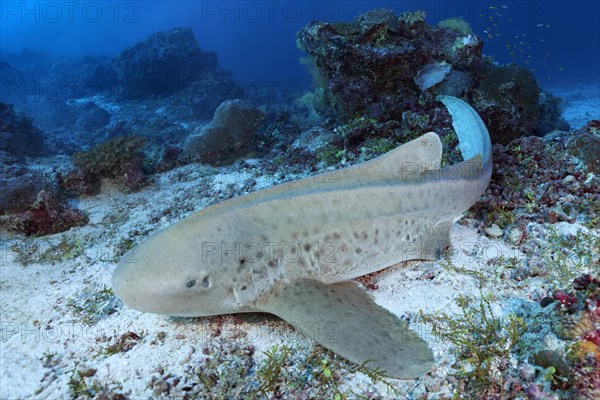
x=381, y=66
x=163, y=64
x=228, y=136
x=18, y=135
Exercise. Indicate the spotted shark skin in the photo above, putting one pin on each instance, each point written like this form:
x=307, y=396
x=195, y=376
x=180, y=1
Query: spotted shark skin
x=293, y=249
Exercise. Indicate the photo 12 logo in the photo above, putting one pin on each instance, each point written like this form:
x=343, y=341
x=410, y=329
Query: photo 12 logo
x=53, y=12
x=253, y=12
x=34, y=332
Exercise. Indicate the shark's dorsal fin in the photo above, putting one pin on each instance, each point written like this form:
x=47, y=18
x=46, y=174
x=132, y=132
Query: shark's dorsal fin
x=343, y=318
x=405, y=163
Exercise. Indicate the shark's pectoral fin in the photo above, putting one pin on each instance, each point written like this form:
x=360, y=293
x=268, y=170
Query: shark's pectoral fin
x=343, y=318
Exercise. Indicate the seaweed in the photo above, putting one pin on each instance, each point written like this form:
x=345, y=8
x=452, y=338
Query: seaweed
x=92, y=305
x=483, y=344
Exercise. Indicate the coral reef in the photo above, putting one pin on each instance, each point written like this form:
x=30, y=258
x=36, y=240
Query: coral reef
x=46, y=216
x=228, y=136
x=578, y=322
x=100, y=75
x=456, y=24
x=584, y=144
x=84, y=108
x=551, y=117
x=18, y=135
x=32, y=203
x=380, y=66
x=91, y=117
x=20, y=187
x=507, y=100
x=120, y=158
x=205, y=96
x=369, y=64
x=535, y=179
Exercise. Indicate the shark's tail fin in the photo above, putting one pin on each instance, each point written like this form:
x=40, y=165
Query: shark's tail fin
x=473, y=136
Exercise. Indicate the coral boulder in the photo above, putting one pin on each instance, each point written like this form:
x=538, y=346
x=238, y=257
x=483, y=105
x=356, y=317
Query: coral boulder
x=228, y=136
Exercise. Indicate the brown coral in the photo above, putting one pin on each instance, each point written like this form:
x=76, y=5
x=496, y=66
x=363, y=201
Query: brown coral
x=120, y=158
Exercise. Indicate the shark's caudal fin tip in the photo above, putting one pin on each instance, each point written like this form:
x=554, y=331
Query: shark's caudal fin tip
x=473, y=136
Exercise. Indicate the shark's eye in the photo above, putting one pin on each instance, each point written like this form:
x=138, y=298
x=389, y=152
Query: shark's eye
x=191, y=283
x=205, y=283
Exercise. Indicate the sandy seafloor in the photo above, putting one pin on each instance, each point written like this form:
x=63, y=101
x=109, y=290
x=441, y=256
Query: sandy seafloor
x=44, y=340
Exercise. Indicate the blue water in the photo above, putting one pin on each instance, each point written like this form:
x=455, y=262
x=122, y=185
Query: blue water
x=558, y=40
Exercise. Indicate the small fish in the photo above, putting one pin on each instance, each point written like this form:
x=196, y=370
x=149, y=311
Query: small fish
x=490, y=36
x=492, y=7
x=539, y=25
x=505, y=7
x=547, y=26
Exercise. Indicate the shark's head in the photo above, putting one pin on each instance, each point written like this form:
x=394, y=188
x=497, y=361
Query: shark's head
x=165, y=275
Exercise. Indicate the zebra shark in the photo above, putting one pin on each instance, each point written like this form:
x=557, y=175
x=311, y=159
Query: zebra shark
x=293, y=249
